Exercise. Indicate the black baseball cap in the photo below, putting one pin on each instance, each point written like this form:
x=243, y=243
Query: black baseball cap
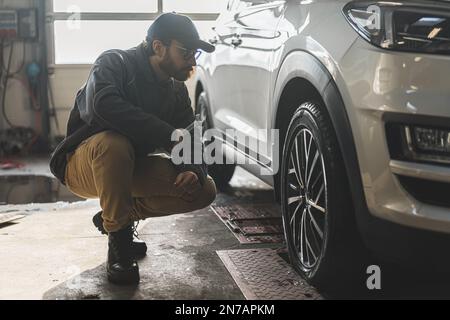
x=173, y=26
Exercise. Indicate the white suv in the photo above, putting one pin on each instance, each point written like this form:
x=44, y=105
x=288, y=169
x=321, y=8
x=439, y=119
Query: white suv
x=360, y=92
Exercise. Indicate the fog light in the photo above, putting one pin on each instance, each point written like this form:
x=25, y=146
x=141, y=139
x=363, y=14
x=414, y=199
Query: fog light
x=432, y=140
x=418, y=138
x=427, y=144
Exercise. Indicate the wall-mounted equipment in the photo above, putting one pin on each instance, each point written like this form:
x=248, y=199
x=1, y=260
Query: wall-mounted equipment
x=9, y=25
x=28, y=28
x=19, y=24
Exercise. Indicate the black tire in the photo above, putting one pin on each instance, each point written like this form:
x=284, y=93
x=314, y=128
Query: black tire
x=319, y=235
x=221, y=173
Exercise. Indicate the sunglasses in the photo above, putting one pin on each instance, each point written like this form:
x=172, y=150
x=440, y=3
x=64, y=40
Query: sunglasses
x=188, y=54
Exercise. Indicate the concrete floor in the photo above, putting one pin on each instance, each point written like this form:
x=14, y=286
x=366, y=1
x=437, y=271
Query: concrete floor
x=56, y=253
x=181, y=264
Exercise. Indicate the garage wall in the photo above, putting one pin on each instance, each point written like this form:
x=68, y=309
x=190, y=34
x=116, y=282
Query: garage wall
x=65, y=81
x=17, y=99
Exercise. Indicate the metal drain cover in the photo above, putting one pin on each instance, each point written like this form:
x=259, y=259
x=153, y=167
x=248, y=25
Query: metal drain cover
x=256, y=223
x=262, y=274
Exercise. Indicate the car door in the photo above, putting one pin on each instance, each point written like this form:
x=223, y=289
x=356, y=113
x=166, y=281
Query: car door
x=221, y=68
x=242, y=75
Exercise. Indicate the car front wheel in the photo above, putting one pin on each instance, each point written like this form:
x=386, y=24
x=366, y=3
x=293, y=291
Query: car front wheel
x=316, y=204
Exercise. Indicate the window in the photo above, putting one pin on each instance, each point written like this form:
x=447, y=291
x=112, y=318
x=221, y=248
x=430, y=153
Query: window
x=199, y=6
x=106, y=5
x=82, y=29
x=239, y=5
x=83, y=45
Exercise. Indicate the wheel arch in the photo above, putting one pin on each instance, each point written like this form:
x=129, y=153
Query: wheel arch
x=303, y=77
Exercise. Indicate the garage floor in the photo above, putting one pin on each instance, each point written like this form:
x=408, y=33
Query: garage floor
x=54, y=252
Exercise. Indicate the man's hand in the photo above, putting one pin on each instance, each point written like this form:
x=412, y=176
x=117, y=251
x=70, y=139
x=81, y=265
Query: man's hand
x=187, y=180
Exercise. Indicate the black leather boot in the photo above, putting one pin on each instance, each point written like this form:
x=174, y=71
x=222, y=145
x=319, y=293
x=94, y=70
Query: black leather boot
x=139, y=248
x=121, y=266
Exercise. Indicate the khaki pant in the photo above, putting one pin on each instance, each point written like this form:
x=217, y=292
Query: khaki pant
x=130, y=189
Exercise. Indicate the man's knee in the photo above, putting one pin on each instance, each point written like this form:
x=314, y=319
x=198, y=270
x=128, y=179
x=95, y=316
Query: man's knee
x=207, y=194
x=114, y=144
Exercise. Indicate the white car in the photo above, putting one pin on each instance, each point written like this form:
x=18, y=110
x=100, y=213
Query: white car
x=360, y=92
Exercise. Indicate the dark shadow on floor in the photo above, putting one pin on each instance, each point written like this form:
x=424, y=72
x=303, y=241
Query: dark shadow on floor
x=181, y=264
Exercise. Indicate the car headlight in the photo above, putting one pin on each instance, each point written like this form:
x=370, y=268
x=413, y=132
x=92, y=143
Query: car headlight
x=404, y=25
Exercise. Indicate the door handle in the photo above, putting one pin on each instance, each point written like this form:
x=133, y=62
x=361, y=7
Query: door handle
x=213, y=40
x=236, y=40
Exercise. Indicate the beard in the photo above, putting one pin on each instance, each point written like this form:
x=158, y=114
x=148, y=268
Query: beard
x=183, y=75
x=168, y=66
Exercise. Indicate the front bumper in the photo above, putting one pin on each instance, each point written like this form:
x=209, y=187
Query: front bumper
x=376, y=83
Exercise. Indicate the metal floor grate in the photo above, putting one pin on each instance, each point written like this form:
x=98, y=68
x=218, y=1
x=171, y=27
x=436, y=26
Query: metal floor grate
x=260, y=223
x=262, y=274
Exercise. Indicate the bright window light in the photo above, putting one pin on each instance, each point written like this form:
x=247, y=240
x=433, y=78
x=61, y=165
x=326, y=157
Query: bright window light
x=82, y=42
x=144, y=6
x=197, y=6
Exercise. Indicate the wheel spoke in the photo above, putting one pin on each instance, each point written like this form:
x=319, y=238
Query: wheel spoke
x=306, y=154
x=315, y=239
x=294, y=214
x=305, y=235
x=302, y=252
x=292, y=200
x=296, y=171
x=308, y=150
x=299, y=234
x=322, y=187
x=308, y=248
x=316, y=156
x=299, y=168
x=296, y=236
x=308, y=245
x=316, y=206
x=293, y=230
x=316, y=180
x=315, y=224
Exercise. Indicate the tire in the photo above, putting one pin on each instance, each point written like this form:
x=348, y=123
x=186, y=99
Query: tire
x=221, y=173
x=315, y=198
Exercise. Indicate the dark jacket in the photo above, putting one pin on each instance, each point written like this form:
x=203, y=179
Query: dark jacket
x=123, y=94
